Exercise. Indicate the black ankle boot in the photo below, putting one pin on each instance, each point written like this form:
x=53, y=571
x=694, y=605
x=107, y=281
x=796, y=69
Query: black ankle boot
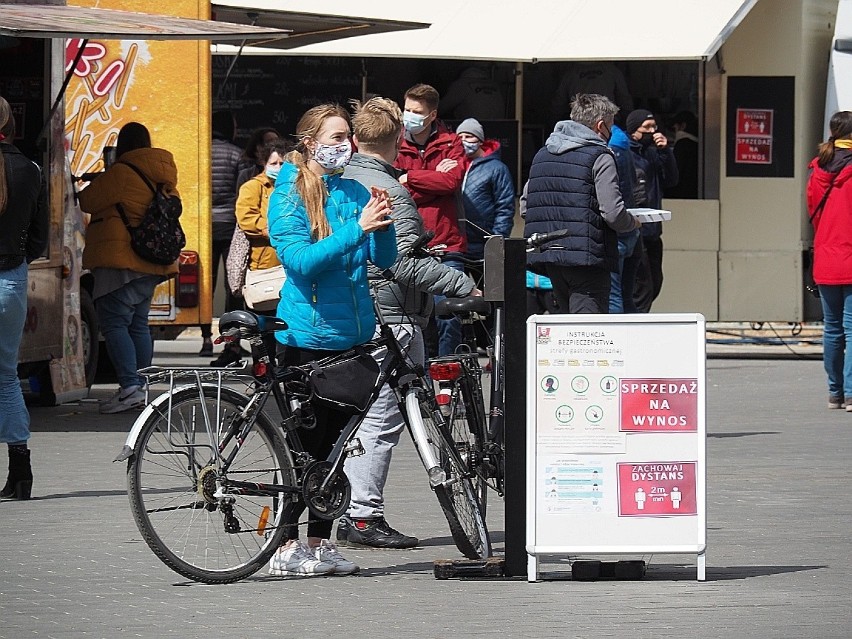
x=19, y=485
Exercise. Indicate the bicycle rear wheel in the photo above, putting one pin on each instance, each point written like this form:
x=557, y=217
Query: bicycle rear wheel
x=181, y=500
x=453, y=488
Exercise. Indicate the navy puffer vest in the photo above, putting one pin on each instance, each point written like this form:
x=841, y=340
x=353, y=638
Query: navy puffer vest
x=561, y=194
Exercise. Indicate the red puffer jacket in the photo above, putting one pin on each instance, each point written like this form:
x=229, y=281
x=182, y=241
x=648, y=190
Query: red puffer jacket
x=833, y=224
x=436, y=194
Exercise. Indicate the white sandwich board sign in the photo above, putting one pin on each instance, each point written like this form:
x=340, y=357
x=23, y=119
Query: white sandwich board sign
x=615, y=436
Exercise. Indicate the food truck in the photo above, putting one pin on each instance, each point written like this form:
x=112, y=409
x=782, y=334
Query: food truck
x=74, y=75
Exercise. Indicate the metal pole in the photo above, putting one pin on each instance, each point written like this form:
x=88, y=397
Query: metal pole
x=505, y=281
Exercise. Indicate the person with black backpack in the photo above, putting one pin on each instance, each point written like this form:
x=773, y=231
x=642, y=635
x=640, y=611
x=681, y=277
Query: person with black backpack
x=127, y=263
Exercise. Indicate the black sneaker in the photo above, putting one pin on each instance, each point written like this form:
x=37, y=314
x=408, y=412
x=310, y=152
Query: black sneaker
x=372, y=533
x=227, y=357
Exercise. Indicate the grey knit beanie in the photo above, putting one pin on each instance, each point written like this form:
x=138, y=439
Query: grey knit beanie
x=473, y=127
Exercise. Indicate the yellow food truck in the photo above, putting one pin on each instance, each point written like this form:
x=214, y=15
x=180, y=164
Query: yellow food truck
x=74, y=75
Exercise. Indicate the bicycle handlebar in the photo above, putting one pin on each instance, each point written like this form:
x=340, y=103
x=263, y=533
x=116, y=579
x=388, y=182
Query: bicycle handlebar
x=538, y=239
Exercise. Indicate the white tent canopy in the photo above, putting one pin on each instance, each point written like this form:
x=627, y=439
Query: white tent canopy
x=537, y=31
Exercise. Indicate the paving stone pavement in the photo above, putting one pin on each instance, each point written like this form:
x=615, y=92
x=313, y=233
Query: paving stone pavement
x=73, y=565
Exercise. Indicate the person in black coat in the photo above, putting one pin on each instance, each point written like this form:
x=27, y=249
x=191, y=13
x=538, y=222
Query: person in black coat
x=23, y=238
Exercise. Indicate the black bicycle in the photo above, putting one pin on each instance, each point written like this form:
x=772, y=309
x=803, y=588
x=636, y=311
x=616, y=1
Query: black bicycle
x=214, y=470
x=478, y=433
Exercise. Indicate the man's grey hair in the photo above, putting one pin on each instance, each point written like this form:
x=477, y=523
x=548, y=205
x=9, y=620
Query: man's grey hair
x=591, y=108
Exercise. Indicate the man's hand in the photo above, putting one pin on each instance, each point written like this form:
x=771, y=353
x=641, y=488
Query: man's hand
x=660, y=140
x=446, y=165
x=476, y=292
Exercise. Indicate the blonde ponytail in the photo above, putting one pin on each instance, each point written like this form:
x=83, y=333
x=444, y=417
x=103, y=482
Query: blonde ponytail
x=311, y=189
x=309, y=185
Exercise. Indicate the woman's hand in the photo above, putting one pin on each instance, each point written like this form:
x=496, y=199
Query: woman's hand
x=376, y=215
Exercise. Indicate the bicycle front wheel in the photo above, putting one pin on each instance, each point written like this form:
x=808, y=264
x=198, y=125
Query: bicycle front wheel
x=189, y=514
x=453, y=487
x=467, y=429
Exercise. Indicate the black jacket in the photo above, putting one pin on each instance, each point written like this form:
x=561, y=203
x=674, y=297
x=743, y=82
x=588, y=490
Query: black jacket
x=24, y=223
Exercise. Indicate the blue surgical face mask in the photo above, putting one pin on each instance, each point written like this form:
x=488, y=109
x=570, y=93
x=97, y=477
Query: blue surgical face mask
x=272, y=171
x=414, y=122
x=471, y=147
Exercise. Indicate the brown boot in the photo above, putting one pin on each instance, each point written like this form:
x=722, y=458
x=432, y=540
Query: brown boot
x=19, y=484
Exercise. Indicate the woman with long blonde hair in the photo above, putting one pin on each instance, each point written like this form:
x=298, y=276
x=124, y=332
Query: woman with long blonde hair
x=23, y=238
x=325, y=229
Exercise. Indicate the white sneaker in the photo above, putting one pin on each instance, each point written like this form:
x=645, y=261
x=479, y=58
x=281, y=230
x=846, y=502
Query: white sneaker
x=297, y=560
x=124, y=399
x=327, y=553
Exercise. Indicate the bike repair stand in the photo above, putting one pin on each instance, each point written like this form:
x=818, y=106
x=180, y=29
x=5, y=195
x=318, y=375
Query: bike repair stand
x=505, y=288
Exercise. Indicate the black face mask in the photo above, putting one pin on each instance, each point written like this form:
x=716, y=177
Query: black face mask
x=647, y=139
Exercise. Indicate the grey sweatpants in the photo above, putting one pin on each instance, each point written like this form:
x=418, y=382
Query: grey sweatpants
x=379, y=433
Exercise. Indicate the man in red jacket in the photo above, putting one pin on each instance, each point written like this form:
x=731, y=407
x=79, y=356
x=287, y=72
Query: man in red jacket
x=431, y=160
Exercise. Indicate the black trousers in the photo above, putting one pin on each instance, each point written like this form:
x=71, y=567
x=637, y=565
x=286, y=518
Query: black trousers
x=580, y=289
x=648, y=267
x=318, y=441
x=541, y=300
x=221, y=247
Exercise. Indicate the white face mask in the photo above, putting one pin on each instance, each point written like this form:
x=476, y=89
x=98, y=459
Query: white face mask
x=333, y=156
x=414, y=122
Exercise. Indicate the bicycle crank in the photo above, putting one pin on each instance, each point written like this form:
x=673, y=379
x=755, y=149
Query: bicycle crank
x=328, y=502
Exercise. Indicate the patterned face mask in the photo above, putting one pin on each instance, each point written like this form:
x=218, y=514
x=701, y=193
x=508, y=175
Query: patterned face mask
x=333, y=156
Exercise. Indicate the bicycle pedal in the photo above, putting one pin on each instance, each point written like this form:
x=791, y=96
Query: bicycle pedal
x=354, y=448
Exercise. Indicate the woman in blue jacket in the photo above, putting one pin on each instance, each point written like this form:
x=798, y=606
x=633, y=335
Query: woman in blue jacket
x=323, y=228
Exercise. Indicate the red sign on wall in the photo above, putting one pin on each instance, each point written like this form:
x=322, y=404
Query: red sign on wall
x=652, y=489
x=754, y=136
x=659, y=405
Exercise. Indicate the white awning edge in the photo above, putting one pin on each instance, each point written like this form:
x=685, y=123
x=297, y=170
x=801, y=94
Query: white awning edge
x=733, y=23
x=542, y=31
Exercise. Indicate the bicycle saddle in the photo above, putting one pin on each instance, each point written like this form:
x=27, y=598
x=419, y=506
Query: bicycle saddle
x=249, y=323
x=462, y=306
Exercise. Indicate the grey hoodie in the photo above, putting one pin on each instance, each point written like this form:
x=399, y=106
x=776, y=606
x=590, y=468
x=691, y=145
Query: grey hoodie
x=568, y=135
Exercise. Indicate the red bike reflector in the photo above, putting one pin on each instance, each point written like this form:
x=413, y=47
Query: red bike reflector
x=259, y=369
x=443, y=399
x=445, y=371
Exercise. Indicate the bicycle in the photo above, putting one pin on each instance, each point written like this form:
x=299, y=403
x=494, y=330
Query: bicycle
x=478, y=434
x=212, y=477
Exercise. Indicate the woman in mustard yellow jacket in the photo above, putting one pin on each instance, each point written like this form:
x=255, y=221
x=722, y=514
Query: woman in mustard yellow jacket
x=123, y=282
x=253, y=201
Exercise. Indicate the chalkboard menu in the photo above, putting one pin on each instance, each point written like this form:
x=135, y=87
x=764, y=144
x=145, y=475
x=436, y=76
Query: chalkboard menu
x=276, y=90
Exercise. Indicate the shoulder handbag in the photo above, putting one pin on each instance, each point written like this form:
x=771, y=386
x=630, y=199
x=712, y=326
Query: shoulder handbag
x=239, y=255
x=262, y=288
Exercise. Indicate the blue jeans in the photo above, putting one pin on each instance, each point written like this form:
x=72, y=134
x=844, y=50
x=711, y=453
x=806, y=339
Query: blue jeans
x=14, y=418
x=449, y=330
x=837, y=334
x=618, y=290
x=123, y=319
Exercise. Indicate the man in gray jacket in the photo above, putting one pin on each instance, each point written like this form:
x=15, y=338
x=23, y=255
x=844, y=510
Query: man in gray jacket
x=573, y=185
x=406, y=304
